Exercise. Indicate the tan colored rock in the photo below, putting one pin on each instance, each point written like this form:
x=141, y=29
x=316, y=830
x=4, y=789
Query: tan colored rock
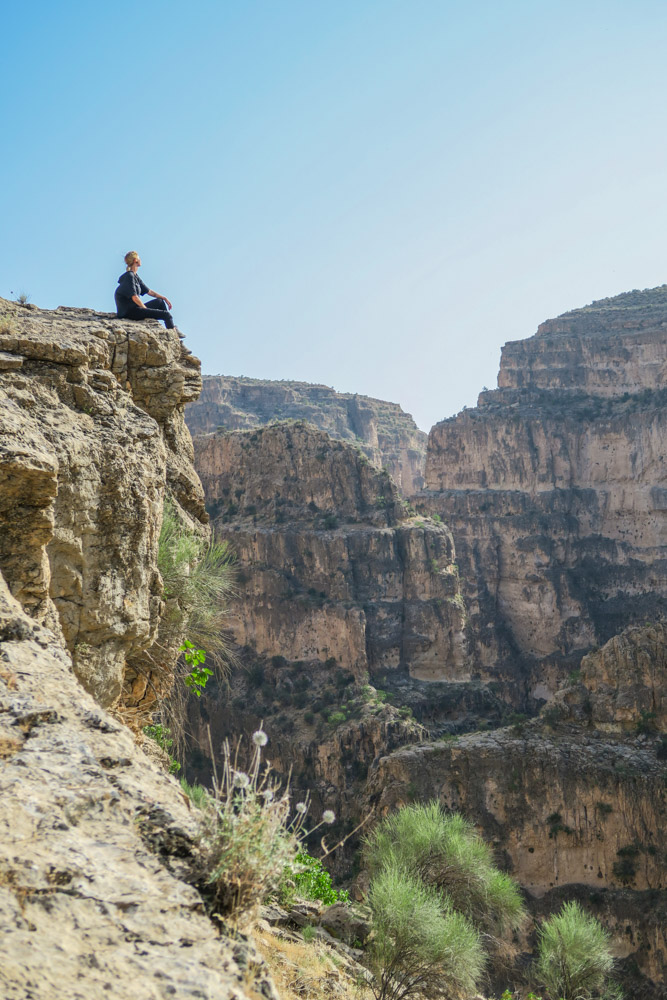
x=555, y=490
x=623, y=686
x=97, y=856
x=331, y=563
x=91, y=437
x=384, y=433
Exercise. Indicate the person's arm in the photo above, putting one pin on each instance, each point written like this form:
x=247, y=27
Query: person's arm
x=156, y=295
x=137, y=300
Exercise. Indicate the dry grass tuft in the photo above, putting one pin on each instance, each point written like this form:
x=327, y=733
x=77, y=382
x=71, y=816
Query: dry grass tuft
x=310, y=971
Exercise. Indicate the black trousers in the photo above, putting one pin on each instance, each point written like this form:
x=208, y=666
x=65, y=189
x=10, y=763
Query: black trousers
x=155, y=309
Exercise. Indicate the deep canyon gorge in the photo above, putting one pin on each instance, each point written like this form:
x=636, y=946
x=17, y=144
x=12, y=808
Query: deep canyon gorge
x=477, y=618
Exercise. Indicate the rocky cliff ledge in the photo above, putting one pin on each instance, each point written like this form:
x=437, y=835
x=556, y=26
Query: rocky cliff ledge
x=92, y=437
x=555, y=489
x=97, y=857
x=385, y=434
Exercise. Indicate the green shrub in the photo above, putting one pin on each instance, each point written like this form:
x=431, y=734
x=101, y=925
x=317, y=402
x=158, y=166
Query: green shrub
x=308, y=933
x=420, y=946
x=445, y=851
x=574, y=957
x=307, y=878
x=198, y=580
x=162, y=736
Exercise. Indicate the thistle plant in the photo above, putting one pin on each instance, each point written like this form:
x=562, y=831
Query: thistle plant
x=248, y=831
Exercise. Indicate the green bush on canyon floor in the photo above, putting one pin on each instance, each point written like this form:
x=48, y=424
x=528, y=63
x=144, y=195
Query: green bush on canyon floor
x=444, y=850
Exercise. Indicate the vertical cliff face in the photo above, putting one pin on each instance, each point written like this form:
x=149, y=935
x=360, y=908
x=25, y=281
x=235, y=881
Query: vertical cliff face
x=385, y=434
x=92, y=436
x=555, y=488
x=333, y=563
x=98, y=849
x=342, y=590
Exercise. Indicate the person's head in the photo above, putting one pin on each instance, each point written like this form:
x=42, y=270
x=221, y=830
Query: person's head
x=132, y=260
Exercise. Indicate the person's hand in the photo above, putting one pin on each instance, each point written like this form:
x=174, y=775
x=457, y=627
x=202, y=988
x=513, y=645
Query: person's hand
x=168, y=303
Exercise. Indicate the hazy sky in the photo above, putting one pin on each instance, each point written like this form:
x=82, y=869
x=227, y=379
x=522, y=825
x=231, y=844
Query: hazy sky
x=371, y=194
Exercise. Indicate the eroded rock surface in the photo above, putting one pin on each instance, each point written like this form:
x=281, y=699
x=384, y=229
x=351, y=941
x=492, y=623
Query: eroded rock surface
x=332, y=565
x=97, y=856
x=92, y=437
x=555, y=489
x=384, y=433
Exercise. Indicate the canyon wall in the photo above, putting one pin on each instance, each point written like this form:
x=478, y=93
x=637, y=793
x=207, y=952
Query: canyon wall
x=332, y=562
x=385, y=434
x=555, y=489
x=544, y=517
x=98, y=855
x=342, y=592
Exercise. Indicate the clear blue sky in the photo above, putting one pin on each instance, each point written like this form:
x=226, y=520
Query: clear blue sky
x=371, y=194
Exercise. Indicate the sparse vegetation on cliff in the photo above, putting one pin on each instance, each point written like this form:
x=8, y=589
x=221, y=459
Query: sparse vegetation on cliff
x=248, y=832
x=198, y=580
x=421, y=946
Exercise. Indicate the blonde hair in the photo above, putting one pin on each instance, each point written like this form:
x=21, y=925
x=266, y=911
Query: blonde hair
x=130, y=258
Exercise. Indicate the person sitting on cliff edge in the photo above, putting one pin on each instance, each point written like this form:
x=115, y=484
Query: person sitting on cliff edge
x=131, y=287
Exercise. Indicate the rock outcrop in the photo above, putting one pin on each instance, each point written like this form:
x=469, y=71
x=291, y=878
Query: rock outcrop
x=342, y=590
x=92, y=437
x=555, y=489
x=385, y=434
x=98, y=855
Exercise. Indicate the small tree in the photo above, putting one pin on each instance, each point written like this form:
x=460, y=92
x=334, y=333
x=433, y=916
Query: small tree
x=444, y=850
x=574, y=958
x=420, y=946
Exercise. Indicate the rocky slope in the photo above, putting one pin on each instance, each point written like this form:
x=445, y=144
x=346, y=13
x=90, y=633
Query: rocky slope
x=555, y=489
x=97, y=857
x=385, y=434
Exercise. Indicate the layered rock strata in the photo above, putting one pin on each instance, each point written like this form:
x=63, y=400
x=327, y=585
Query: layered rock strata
x=92, y=437
x=331, y=563
x=555, y=489
x=339, y=585
x=385, y=434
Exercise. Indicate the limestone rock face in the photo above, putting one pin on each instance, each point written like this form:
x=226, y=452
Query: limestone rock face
x=91, y=436
x=555, y=489
x=339, y=584
x=97, y=856
x=331, y=564
x=623, y=686
x=386, y=435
